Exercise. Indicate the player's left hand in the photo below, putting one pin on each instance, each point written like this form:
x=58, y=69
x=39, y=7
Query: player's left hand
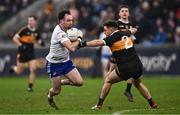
x=82, y=44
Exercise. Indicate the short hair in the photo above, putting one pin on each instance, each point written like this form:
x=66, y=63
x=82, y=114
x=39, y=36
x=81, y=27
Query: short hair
x=62, y=14
x=34, y=17
x=123, y=6
x=111, y=23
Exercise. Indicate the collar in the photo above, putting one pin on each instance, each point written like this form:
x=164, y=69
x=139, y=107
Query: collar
x=124, y=21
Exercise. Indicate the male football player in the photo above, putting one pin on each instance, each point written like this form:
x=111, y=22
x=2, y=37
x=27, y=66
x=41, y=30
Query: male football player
x=25, y=39
x=124, y=24
x=128, y=64
x=59, y=63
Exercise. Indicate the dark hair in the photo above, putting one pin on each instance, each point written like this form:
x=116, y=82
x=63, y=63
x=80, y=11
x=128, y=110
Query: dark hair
x=35, y=18
x=111, y=23
x=123, y=6
x=62, y=14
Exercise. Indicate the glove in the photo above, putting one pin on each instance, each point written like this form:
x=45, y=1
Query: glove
x=80, y=34
x=82, y=44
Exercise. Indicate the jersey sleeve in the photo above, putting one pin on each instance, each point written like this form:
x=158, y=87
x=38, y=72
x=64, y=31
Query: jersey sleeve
x=21, y=32
x=62, y=36
x=111, y=39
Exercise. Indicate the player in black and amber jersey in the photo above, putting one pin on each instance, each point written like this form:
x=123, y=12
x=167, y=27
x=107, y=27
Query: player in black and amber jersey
x=25, y=39
x=128, y=64
x=123, y=25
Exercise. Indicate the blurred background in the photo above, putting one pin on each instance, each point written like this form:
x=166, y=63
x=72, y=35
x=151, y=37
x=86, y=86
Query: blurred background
x=159, y=34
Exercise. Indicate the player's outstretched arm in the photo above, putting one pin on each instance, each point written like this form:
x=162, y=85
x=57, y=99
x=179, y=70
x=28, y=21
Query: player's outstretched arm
x=93, y=43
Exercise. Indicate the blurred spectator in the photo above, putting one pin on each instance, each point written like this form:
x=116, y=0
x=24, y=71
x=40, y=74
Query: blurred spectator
x=177, y=35
x=160, y=37
x=9, y=8
x=48, y=8
x=91, y=14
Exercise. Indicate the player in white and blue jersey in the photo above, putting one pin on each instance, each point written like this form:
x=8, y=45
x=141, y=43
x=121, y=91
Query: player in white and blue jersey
x=58, y=60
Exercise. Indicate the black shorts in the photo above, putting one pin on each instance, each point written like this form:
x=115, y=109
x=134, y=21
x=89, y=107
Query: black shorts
x=131, y=69
x=26, y=54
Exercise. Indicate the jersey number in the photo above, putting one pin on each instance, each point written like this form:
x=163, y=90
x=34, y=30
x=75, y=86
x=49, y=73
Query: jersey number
x=127, y=42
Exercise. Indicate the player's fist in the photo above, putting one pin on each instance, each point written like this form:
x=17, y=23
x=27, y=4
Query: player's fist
x=82, y=44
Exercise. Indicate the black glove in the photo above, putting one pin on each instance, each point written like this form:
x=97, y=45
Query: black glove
x=82, y=44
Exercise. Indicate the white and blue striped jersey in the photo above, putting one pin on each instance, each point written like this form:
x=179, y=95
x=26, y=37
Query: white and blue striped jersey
x=58, y=53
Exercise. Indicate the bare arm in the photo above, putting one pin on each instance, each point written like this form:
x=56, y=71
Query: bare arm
x=71, y=46
x=95, y=43
x=16, y=40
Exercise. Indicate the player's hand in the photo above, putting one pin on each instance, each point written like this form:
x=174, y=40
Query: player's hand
x=82, y=44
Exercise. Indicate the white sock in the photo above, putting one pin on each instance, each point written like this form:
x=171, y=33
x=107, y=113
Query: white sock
x=49, y=96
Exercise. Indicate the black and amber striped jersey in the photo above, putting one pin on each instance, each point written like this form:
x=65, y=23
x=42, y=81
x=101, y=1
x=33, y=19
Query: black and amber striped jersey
x=124, y=26
x=28, y=36
x=121, y=45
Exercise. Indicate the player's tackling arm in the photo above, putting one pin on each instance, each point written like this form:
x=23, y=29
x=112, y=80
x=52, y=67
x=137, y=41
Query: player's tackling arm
x=95, y=43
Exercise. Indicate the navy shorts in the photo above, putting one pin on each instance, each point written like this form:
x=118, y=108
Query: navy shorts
x=59, y=69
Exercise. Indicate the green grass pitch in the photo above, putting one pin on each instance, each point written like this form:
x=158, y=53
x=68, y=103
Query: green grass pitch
x=14, y=98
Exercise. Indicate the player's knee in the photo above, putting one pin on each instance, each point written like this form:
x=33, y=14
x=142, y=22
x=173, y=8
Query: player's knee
x=79, y=83
x=107, y=80
x=137, y=84
x=56, y=92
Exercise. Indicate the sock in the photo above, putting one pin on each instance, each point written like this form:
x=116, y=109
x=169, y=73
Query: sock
x=128, y=88
x=49, y=96
x=150, y=101
x=100, y=102
x=30, y=85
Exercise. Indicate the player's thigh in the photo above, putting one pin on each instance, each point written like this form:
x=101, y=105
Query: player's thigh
x=32, y=65
x=20, y=67
x=113, y=77
x=137, y=81
x=74, y=76
x=130, y=80
x=56, y=83
x=40, y=62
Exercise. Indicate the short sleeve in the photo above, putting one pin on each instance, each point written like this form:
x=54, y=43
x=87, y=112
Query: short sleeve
x=62, y=36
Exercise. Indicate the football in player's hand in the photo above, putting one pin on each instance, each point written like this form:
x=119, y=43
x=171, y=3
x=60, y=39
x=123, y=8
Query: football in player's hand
x=73, y=34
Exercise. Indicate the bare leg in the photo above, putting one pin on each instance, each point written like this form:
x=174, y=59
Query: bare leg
x=128, y=90
x=144, y=92
x=32, y=75
x=66, y=82
x=109, y=80
x=74, y=78
x=55, y=90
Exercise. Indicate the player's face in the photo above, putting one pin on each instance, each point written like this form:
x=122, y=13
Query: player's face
x=32, y=22
x=68, y=21
x=124, y=13
x=107, y=31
